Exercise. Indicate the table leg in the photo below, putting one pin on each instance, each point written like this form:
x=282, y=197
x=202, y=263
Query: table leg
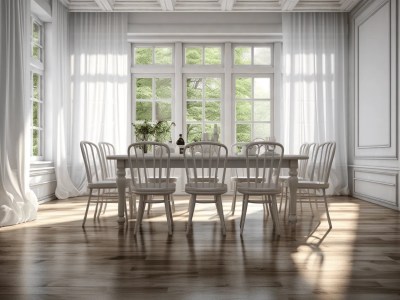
x=293, y=181
x=121, y=184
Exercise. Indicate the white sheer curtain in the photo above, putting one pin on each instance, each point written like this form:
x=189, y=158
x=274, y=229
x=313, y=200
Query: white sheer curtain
x=313, y=108
x=100, y=85
x=17, y=202
x=58, y=108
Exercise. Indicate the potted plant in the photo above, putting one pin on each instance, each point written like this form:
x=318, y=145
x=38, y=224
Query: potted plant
x=146, y=131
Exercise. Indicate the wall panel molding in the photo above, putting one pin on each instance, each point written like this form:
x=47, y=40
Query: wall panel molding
x=375, y=111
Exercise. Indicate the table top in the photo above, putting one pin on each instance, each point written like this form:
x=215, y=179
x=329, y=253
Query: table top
x=230, y=157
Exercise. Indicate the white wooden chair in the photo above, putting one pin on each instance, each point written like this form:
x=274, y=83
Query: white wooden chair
x=303, y=172
x=151, y=177
x=237, y=149
x=264, y=184
x=95, y=176
x=205, y=164
x=109, y=168
x=320, y=171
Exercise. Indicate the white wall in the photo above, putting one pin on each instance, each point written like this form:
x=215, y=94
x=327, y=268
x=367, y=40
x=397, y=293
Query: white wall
x=373, y=112
x=216, y=27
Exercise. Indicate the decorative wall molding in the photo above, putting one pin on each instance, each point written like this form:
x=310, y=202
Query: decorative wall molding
x=379, y=186
x=376, y=134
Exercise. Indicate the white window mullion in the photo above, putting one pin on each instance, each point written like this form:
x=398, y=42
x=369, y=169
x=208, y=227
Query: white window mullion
x=180, y=110
x=229, y=103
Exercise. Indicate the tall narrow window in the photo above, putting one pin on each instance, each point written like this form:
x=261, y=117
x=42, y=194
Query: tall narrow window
x=203, y=107
x=37, y=114
x=252, y=107
x=37, y=87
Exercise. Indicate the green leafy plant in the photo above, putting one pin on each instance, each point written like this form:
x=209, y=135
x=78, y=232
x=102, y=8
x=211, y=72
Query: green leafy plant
x=160, y=131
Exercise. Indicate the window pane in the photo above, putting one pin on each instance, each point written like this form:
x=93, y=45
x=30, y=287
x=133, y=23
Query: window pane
x=163, y=111
x=144, y=88
x=209, y=128
x=143, y=111
x=163, y=56
x=36, y=52
x=35, y=114
x=36, y=86
x=143, y=56
x=213, y=88
x=35, y=142
x=261, y=110
x=194, y=56
x=261, y=131
x=262, y=88
x=194, y=132
x=213, y=111
x=163, y=88
x=194, y=88
x=212, y=56
x=262, y=55
x=36, y=28
x=242, y=55
x=243, y=88
x=243, y=133
x=194, y=111
x=243, y=111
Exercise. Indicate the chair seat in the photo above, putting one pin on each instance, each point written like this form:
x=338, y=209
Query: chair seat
x=304, y=184
x=244, y=179
x=156, y=188
x=206, y=188
x=104, y=184
x=164, y=179
x=253, y=188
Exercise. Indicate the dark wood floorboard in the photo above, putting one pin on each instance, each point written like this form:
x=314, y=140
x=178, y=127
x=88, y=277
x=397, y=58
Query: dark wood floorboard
x=54, y=258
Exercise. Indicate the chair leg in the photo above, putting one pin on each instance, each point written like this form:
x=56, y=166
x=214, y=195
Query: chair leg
x=218, y=204
x=87, y=208
x=326, y=208
x=168, y=213
x=192, y=204
x=275, y=213
x=172, y=200
x=234, y=198
x=280, y=205
x=97, y=204
x=140, y=214
x=244, y=211
x=149, y=207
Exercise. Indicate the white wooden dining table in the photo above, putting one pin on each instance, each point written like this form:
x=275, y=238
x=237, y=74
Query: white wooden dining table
x=290, y=162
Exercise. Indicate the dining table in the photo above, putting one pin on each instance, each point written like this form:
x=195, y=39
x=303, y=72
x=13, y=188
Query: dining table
x=289, y=161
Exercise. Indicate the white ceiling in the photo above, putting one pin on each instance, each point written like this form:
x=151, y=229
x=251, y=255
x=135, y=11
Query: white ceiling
x=210, y=5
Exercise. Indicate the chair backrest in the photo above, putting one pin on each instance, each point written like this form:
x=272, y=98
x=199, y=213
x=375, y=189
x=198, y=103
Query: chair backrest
x=205, y=162
x=151, y=167
x=265, y=158
x=109, y=166
x=322, y=162
x=92, y=159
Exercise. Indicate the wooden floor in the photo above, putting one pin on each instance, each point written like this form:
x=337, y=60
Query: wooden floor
x=54, y=258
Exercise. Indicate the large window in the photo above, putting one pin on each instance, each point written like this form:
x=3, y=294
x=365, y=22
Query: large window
x=206, y=89
x=37, y=87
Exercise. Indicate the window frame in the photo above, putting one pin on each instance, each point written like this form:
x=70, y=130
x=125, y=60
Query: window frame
x=253, y=99
x=252, y=46
x=203, y=101
x=153, y=100
x=152, y=65
x=203, y=46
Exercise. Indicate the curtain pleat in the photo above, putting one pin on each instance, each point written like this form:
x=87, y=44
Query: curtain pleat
x=17, y=201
